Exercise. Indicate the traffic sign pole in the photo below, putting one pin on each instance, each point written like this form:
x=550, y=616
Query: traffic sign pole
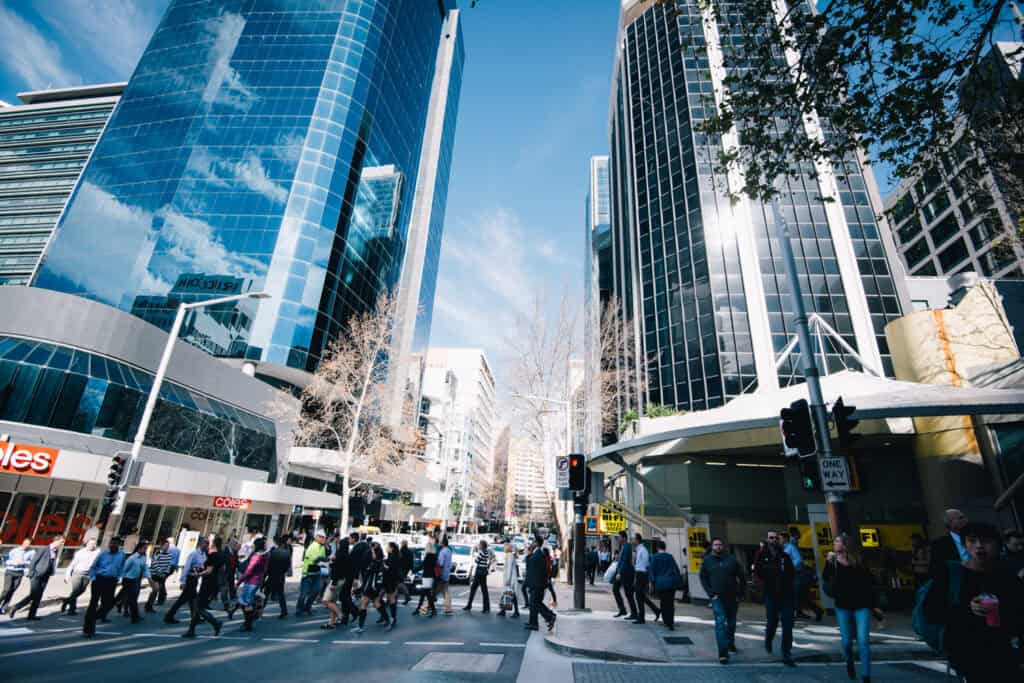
x=838, y=514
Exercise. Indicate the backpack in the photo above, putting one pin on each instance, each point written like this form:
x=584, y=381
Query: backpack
x=934, y=634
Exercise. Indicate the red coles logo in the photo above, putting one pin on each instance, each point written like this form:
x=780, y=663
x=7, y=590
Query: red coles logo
x=19, y=458
x=226, y=503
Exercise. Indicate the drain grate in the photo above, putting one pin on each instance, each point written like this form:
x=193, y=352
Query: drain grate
x=678, y=640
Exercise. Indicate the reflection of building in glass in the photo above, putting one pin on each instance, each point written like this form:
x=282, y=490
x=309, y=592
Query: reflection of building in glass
x=700, y=278
x=43, y=146
x=597, y=264
x=222, y=328
x=247, y=144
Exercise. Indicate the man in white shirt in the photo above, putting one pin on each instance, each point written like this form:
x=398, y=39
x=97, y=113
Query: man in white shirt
x=77, y=574
x=641, y=585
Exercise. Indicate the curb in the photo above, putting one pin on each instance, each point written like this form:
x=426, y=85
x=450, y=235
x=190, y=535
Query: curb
x=575, y=651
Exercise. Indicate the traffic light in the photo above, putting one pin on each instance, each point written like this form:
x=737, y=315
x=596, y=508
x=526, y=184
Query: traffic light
x=116, y=473
x=577, y=472
x=844, y=423
x=810, y=478
x=797, y=432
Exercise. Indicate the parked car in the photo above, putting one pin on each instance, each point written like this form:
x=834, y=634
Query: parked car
x=462, y=563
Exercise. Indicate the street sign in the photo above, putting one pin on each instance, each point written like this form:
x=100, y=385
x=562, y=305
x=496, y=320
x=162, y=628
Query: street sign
x=562, y=471
x=590, y=526
x=869, y=537
x=612, y=519
x=698, y=543
x=835, y=474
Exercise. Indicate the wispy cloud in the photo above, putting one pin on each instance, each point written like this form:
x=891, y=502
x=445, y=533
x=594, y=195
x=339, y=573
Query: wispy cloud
x=112, y=32
x=30, y=57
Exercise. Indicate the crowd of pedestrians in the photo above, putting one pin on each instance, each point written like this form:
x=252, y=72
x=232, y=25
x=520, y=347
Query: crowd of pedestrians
x=639, y=577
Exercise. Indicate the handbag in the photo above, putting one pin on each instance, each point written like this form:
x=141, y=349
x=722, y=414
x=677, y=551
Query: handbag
x=437, y=571
x=609, y=574
x=427, y=583
x=505, y=604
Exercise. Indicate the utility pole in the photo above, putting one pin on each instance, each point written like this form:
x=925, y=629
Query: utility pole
x=838, y=514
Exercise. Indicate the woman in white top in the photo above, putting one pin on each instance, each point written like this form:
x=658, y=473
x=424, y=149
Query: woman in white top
x=511, y=579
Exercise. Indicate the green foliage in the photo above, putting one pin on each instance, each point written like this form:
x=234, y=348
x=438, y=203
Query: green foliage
x=881, y=74
x=651, y=410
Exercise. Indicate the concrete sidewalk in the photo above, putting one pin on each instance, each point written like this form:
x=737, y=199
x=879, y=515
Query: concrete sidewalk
x=598, y=635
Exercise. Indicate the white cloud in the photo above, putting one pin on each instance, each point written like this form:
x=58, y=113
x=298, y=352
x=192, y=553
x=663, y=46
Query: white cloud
x=29, y=56
x=113, y=33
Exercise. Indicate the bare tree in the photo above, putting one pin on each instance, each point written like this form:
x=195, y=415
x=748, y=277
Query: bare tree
x=620, y=378
x=342, y=407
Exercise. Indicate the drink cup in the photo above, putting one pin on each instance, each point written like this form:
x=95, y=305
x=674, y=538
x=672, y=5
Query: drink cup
x=991, y=605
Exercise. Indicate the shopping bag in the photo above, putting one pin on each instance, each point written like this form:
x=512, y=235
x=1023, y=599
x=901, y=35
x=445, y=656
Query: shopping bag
x=506, y=601
x=609, y=574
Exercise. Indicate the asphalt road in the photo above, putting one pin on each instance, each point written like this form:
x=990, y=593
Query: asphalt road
x=278, y=650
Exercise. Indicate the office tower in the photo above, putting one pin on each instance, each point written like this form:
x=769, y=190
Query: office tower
x=261, y=147
x=597, y=264
x=957, y=216
x=44, y=143
x=526, y=496
x=700, y=279
x=461, y=387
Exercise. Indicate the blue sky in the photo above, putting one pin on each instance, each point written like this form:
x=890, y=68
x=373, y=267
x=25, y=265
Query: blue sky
x=534, y=108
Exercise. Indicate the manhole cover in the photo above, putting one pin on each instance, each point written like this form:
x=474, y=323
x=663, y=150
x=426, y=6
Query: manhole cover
x=678, y=640
x=455, y=661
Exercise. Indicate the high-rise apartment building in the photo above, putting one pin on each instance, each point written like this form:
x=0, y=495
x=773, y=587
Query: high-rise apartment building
x=276, y=147
x=467, y=421
x=526, y=496
x=597, y=265
x=700, y=278
x=956, y=216
x=44, y=143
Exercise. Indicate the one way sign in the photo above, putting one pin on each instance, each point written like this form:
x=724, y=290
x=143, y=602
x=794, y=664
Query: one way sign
x=835, y=474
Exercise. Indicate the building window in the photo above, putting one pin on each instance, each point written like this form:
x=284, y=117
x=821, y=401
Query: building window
x=953, y=254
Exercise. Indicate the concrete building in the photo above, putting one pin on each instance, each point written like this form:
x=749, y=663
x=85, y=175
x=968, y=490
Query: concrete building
x=468, y=425
x=44, y=143
x=956, y=216
x=527, y=498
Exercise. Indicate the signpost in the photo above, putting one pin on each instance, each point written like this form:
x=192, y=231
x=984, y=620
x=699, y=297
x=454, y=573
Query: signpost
x=835, y=474
x=590, y=525
x=562, y=471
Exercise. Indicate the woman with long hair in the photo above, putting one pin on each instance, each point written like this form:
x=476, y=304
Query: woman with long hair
x=511, y=578
x=427, y=582
x=251, y=580
x=392, y=577
x=850, y=585
x=371, y=584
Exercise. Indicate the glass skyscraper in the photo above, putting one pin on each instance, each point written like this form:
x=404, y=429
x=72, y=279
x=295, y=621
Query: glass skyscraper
x=597, y=264
x=701, y=279
x=261, y=145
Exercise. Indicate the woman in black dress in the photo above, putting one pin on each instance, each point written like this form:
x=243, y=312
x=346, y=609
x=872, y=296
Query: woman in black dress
x=371, y=583
x=392, y=577
x=427, y=582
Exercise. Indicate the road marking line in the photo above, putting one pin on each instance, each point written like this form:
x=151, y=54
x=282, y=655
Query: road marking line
x=432, y=642
x=502, y=644
x=361, y=642
x=291, y=640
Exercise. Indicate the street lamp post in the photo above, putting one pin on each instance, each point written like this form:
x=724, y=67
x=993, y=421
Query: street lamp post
x=154, y=392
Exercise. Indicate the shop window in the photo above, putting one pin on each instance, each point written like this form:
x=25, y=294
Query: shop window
x=18, y=393
x=170, y=523
x=86, y=513
x=130, y=521
x=54, y=520
x=66, y=406
x=47, y=389
x=5, y=500
x=89, y=407
x=149, y=519
x=21, y=519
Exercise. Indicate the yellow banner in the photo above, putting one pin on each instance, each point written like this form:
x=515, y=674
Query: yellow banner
x=612, y=520
x=698, y=543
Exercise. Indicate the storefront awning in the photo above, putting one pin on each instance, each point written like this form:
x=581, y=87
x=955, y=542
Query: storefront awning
x=884, y=406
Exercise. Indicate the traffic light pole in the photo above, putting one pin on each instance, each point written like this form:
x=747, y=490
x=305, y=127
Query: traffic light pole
x=838, y=514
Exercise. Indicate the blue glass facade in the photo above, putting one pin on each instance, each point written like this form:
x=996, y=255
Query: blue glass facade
x=260, y=145
x=56, y=386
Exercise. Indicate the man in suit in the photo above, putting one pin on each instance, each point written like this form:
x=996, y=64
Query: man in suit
x=625, y=575
x=949, y=548
x=43, y=566
x=536, y=582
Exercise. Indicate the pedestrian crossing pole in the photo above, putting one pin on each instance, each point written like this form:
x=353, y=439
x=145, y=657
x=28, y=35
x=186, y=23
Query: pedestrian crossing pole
x=838, y=514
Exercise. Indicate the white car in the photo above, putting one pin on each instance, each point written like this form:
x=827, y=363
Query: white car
x=462, y=562
x=499, y=556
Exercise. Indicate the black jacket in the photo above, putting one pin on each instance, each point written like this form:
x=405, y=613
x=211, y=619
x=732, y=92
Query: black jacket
x=775, y=570
x=359, y=556
x=278, y=563
x=722, y=576
x=42, y=566
x=341, y=567
x=536, y=569
x=407, y=560
x=591, y=559
x=852, y=586
x=942, y=550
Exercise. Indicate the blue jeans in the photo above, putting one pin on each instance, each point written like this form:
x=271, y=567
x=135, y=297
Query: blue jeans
x=725, y=623
x=776, y=609
x=308, y=590
x=847, y=618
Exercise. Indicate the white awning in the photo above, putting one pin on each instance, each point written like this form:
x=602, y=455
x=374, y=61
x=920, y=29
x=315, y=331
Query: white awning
x=884, y=406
